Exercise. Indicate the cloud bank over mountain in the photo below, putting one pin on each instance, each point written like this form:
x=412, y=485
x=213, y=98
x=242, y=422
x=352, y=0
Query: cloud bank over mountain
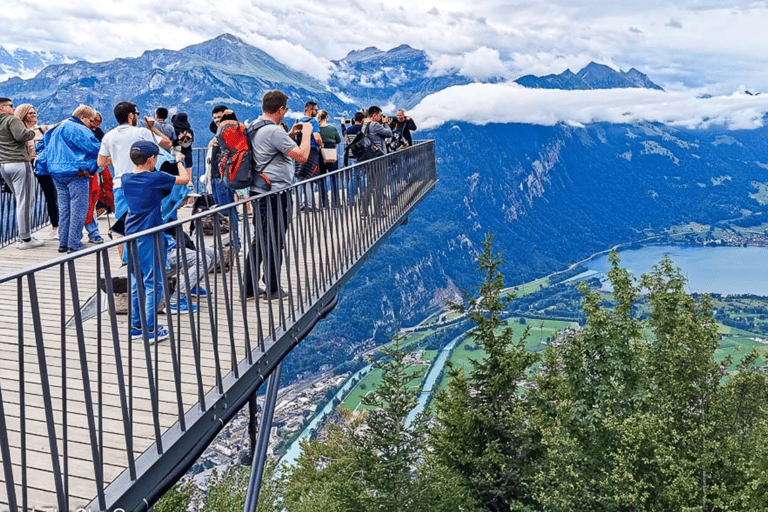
x=684, y=44
x=511, y=103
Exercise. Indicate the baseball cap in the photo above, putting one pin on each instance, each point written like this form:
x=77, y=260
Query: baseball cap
x=144, y=148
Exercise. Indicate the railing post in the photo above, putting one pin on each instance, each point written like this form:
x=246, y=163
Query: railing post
x=260, y=456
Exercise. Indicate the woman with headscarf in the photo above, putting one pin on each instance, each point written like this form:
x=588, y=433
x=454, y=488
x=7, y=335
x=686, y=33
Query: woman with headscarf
x=28, y=116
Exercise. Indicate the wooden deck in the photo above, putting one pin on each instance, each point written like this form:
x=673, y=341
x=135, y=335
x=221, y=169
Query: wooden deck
x=75, y=379
x=21, y=372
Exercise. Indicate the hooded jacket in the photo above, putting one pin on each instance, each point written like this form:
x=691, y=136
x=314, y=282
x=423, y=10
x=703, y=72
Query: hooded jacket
x=71, y=149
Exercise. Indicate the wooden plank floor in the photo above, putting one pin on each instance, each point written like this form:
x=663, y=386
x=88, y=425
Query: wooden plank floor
x=20, y=369
x=319, y=248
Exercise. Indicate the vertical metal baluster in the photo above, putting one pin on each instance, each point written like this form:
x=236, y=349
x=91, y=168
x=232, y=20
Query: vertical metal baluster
x=100, y=363
x=86, y=380
x=196, y=348
x=293, y=215
x=266, y=261
x=133, y=254
x=251, y=262
x=240, y=284
x=284, y=217
x=275, y=239
x=228, y=304
x=50, y=420
x=126, y=411
x=5, y=449
x=215, y=334
x=22, y=398
x=175, y=360
x=64, y=400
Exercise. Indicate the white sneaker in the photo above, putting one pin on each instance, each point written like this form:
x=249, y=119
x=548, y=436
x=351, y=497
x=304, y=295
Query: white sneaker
x=31, y=244
x=54, y=233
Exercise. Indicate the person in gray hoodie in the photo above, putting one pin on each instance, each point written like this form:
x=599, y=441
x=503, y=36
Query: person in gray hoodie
x=16, y=170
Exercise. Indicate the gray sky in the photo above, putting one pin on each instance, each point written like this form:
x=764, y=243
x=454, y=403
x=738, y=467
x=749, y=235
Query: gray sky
x=712, y=46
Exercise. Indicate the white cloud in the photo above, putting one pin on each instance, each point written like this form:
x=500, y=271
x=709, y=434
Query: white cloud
x=511, y=103
x=481, y=64
x=715, y=43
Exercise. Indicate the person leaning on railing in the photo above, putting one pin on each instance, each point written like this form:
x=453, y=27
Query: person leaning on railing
x=16, y=170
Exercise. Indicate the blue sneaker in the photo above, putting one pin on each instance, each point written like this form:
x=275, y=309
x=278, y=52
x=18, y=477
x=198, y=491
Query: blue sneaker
x=159, y=334
x=182, y=306
x=199, y=291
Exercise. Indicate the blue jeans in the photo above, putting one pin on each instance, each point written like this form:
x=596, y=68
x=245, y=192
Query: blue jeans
x=356, y=183
x=222, y=195
x=72, y=199
x=93, y=230
x=150, y=275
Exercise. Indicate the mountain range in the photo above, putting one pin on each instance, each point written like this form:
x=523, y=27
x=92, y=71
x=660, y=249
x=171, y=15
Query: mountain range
x=552, y=195
x=18, y=62
x=593, y=76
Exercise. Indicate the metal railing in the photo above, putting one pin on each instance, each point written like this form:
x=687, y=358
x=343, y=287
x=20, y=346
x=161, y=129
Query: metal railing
x=9, y=230
x=94, y=412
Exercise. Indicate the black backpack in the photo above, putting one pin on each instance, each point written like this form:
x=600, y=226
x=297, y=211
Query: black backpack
x=362, y=147
x=396, y=142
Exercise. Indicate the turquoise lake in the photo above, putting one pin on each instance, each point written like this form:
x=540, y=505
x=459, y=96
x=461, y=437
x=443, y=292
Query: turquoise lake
x=724, y=270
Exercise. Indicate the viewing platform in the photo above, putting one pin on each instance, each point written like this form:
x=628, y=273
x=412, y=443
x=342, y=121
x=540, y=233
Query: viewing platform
x=90, y=418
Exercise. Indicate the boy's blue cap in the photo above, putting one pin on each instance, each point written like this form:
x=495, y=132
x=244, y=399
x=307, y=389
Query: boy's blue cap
x=144, y=148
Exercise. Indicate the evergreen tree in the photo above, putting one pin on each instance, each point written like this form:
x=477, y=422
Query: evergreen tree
x=482, y=430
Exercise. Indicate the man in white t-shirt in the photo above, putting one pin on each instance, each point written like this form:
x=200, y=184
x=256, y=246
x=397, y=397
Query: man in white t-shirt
x=116, y=147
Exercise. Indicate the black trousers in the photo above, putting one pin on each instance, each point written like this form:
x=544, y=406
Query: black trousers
x=270, y=222
x=49, y=191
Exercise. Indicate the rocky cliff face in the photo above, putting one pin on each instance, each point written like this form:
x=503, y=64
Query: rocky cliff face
x=25, y=64
x=551, y=196
x=398, y=78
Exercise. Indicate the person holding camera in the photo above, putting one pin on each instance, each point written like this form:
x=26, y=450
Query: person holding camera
x=274, y=151
x=404, y=125
x=311, y=167
x=115, y=151
x=378, y=131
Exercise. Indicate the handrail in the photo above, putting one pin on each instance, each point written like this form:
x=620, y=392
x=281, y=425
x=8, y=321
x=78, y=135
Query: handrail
x=90, y=417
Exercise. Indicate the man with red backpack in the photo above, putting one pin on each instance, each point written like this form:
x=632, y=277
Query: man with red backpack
x=273, y=153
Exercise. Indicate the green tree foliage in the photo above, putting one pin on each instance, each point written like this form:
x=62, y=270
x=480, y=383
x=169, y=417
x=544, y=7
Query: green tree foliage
x=374, y=461
x=227, y=492
x=624, y=415
x=177, y=499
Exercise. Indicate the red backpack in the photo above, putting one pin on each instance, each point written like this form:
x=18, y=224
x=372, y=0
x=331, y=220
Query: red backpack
x=236, y=158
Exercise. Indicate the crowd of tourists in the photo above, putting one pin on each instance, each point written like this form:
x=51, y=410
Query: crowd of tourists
x=84, y=173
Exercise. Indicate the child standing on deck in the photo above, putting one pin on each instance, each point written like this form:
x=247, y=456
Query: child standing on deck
x=143, y=190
